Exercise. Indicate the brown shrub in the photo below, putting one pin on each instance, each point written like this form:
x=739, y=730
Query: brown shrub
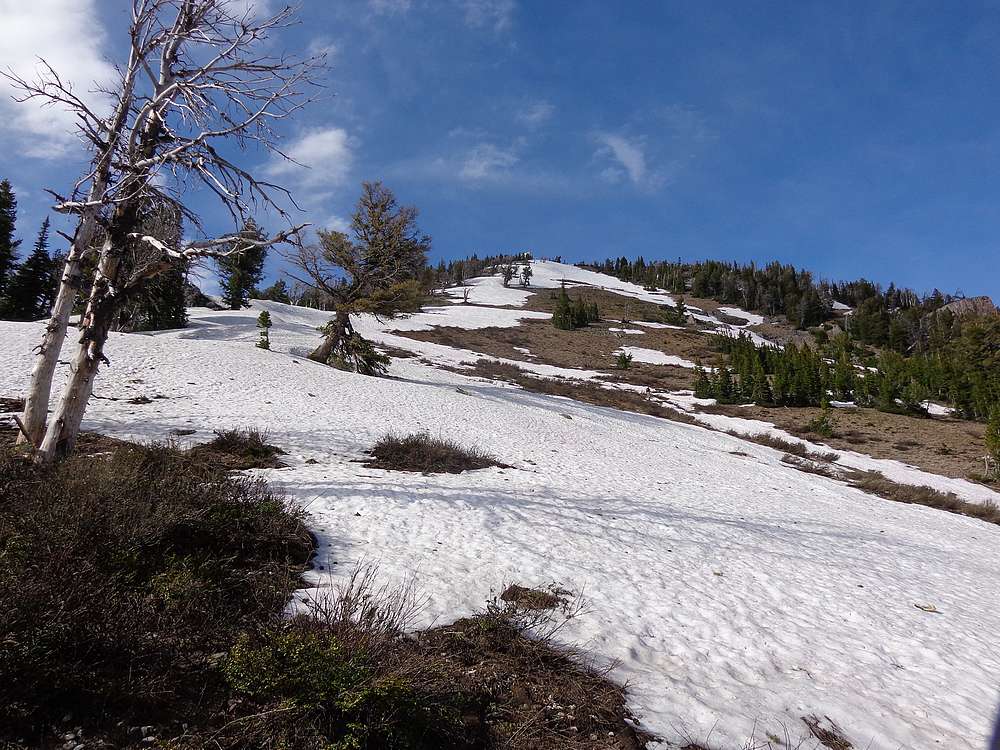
x=422, y=453
x=237, y=450
x=122, y=573
x=780, y=444
x=877, y=483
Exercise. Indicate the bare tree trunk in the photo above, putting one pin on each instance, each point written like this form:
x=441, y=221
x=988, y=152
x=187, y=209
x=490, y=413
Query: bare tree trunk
x=337, y=330
x=36, y=403
x=60, y=436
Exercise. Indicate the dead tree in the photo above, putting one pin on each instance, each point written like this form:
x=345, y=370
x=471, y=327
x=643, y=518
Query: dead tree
x=197, y=75
x=372, y=270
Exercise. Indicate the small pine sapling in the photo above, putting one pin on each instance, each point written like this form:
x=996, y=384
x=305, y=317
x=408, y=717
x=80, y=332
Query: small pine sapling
x=526, y=274
x=993, y=444
x=264, y=323
x=823, y=424
x=623, y=361
x=702, y=384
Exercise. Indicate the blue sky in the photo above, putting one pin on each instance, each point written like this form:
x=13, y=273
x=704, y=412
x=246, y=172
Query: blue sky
x=853, y=139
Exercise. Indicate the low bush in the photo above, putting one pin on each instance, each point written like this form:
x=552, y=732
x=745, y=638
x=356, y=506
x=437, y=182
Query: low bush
x=876, y=483
x=122, y=574
x=423, y=453
x=236, y=450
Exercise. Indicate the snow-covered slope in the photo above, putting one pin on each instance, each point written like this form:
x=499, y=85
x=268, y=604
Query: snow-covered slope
x=736, y=591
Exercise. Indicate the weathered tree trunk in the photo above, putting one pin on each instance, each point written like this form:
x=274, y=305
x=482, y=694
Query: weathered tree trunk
x=36, y=403
x=60, y=436
x=337, y=330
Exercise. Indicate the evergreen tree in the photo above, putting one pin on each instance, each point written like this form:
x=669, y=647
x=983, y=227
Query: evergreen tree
x=264, y=324
x=562, y=316
x=526, y=273
x=8, y=245
x=993, y=441
x=242, y=270
x=702, y=385
x=159, y=303
x=277, y=292
x=30, y=291
x=374, y=269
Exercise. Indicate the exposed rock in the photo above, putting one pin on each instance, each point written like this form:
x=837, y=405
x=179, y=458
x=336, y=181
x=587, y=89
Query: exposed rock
x=972, y=307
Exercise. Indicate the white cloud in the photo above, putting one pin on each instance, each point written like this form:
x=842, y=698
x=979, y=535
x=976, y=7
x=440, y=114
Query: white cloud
x=324, y=157
x=498, y=14
x=629, y=154
x=536, y=114
x=67, y=34
x=253, y=8
x=487, y=161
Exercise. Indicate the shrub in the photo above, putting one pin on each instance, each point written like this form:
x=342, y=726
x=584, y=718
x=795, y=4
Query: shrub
x=623, y=361
x=122, y=573
x=235, y=450
x=423, y=453
x=823, y=424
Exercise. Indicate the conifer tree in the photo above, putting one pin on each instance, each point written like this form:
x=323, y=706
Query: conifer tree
x=8, y=245
x=526, y=274
x=562, y=316
x=993, y=442
x=277, y=292
x=242, y=270
x=32, y=286
x=374, y=269
x=702, y=385
x=264, y=324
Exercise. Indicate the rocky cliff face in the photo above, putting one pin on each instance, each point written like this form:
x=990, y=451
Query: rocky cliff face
x=973, y=306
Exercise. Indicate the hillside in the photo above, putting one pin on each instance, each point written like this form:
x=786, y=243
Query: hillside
x=737, y=593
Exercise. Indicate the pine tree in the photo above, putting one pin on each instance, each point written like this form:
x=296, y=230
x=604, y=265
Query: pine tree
x=277, y=292
x=31, y=288
x=993, y=441
x=702, y=385
x=8, y=245
x=243, y=269
x=264, y=324
x=562, y=316
x=526, y=273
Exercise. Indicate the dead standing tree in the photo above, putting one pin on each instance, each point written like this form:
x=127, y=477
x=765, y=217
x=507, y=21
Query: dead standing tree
x=196, y=79
x=374, y=270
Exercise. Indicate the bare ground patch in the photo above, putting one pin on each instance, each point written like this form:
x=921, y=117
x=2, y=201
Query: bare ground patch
x=949, y=447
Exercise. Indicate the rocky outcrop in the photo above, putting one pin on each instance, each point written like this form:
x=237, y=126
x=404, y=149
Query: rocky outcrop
x=972, y=307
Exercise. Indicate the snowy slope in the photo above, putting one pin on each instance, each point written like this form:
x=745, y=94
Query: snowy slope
x=736, y=591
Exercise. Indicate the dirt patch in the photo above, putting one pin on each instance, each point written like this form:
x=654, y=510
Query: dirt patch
x=534, y=599
x=949, y=447
x=589, y=348
x=587, y=391
x=427, y=455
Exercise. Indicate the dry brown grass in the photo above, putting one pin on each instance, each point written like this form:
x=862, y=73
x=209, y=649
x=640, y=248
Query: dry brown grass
x=586, y=391
x=950, y=447
x=780, y=444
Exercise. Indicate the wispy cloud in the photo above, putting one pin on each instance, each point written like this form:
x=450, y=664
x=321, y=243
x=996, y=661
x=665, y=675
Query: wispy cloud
x=487, y=161
x=495, y=14
x=535, y=114
x=628, y=157
x=324, y=158
x=655, y=148
x=253, y=8
x=52, y=30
